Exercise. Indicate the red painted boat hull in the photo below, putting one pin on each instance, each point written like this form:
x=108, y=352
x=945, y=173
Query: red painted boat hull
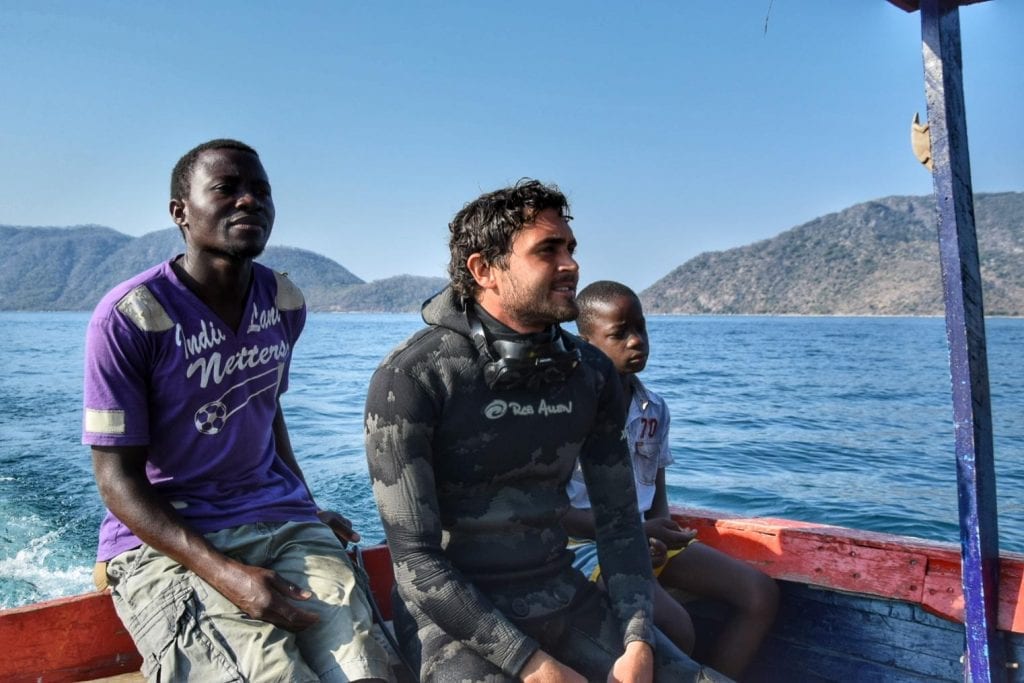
x=847, y=578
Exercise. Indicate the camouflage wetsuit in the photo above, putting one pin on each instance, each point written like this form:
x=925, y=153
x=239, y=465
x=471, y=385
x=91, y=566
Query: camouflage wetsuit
x=470, y=483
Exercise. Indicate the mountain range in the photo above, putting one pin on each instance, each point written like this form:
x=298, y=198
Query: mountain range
x=72, y=268
x=875, y=258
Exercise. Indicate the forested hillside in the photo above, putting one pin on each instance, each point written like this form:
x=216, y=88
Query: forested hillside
x=876, y=258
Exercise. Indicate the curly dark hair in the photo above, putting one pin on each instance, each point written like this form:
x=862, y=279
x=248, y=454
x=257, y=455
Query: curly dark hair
x=488, y=224
x=595, y=294
x=181, y=176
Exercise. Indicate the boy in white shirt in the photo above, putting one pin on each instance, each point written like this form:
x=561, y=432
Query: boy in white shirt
x=611, y=318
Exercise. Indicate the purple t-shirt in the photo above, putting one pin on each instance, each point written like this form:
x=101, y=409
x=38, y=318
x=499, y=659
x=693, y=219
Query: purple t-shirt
x=164, y=372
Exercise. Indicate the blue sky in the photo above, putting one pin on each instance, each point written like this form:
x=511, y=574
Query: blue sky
x=674, y=127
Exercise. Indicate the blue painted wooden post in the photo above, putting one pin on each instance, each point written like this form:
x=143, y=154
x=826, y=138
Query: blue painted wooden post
x=965, y=332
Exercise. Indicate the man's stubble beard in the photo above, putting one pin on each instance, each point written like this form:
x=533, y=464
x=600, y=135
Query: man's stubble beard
x=533, y=309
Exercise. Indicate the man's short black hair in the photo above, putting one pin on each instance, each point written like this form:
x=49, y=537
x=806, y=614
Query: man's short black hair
x=181, y=176
x=592, y=296
x=488, y=224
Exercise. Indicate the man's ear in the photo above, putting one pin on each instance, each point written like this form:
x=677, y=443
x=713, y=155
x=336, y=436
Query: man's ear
x=178, y=213
x=481, y=270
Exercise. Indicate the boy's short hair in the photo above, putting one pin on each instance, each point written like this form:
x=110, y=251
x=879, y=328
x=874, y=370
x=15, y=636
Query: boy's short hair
x=592, y=296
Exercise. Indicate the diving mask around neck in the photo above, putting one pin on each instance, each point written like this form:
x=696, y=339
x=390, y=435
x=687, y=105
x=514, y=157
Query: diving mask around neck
x=519, y=364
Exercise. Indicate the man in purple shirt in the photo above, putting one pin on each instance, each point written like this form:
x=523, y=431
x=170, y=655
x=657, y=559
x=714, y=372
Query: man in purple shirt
x=221, y=565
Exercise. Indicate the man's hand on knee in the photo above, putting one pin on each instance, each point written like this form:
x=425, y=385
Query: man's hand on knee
x=543, y=668
x=265, y=595
x=636, y=665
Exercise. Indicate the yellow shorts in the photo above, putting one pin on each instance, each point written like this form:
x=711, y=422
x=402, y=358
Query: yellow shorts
x=671, y=553
x=586, y=557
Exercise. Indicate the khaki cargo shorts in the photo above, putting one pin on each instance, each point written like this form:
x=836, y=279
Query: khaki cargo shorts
x=185, y=630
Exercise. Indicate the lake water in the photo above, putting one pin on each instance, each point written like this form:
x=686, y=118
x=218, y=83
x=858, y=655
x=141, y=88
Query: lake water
x=842, y=421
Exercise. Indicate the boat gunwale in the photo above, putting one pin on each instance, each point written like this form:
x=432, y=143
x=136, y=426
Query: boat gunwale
x=913, y=570
x=80, y=637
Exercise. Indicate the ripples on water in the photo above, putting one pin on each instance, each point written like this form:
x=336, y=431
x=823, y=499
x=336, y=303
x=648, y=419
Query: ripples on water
x=835, y=420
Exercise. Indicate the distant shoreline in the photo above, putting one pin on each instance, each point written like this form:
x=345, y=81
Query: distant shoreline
x=655, y=314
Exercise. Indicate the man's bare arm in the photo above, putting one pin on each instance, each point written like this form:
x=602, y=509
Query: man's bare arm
x=339, y=524
x=125, y=490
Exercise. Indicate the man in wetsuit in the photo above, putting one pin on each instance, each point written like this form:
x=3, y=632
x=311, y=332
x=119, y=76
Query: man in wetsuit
x=473, y=426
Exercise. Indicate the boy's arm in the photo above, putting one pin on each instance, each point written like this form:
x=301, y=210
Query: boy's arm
x=579, y=522
x=658, y=521
x=659, y=506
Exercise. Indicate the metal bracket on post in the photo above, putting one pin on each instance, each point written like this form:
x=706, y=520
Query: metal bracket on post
x=965, y=332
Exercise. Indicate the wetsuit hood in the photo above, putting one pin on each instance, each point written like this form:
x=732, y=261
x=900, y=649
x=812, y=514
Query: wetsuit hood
x=446, y=309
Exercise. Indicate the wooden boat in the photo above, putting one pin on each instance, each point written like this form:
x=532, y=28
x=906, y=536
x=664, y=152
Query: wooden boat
x=856, y=606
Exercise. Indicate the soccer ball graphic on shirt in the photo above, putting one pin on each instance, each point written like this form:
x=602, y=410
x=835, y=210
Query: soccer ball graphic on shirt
x=211, y=417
